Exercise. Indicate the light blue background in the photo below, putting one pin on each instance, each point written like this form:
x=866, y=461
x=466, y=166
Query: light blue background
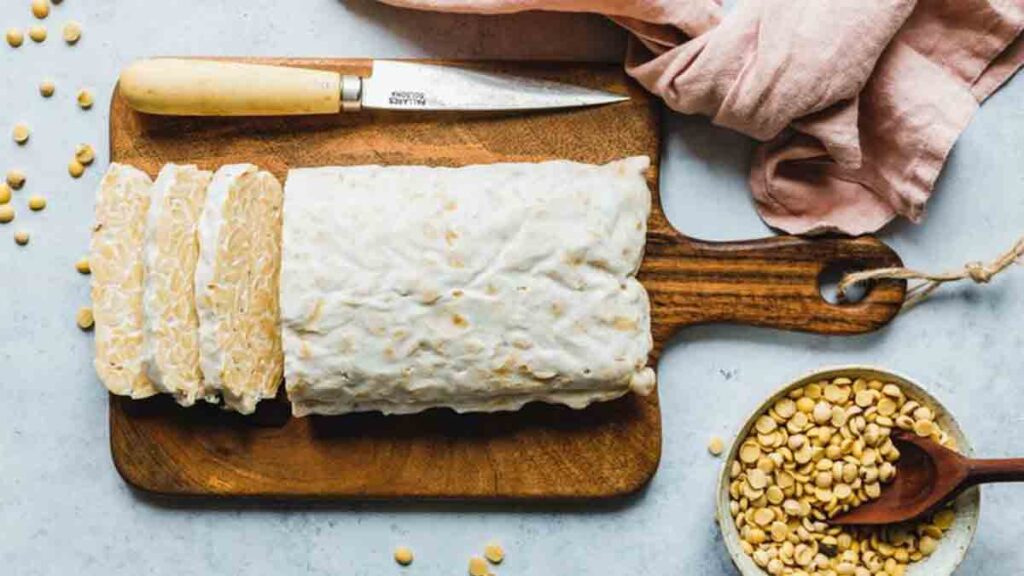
x=64, y=510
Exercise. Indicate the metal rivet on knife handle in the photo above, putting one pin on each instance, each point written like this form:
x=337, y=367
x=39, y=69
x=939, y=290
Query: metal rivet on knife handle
x=351, y=93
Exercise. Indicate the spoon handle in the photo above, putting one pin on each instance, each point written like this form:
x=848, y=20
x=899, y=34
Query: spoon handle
x=1002, y=470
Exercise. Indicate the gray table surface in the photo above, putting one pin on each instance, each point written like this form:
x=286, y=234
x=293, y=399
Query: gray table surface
x=63, y=508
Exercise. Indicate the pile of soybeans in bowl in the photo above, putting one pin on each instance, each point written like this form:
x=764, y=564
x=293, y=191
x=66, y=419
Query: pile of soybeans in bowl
x=821, y=448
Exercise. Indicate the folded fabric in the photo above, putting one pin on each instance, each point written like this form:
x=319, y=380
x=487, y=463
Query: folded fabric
x=858, y=103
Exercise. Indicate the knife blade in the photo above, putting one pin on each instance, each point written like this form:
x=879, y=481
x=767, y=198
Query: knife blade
x=187, y=87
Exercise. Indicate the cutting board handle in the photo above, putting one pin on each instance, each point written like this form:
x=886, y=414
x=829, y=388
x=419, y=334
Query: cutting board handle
x=773, y=282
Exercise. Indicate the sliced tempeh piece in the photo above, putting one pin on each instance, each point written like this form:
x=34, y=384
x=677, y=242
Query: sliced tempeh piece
x=116, y=258
x=479, y=288
x=237, y=286
x=171, y=326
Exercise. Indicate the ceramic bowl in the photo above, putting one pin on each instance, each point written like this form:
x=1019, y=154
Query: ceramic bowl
x=954, y=543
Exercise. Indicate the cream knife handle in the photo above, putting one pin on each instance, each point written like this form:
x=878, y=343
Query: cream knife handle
x=185, y=87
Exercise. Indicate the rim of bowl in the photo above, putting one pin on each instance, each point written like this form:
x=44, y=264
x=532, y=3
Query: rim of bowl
x=967, y=505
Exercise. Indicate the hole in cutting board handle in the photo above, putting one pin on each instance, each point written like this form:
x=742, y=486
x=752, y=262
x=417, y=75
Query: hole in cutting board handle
x=828, y=283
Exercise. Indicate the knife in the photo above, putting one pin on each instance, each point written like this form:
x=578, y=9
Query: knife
x=186, y=87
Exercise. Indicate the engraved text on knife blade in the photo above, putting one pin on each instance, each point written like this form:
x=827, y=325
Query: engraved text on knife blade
x=407, y=98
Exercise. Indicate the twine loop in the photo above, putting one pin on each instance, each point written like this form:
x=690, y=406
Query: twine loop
x=922, y=284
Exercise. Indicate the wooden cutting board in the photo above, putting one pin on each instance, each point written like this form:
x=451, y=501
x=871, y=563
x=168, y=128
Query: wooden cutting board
x=540, y=452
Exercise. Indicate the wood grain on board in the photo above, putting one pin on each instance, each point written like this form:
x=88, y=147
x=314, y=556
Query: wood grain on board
x=541, y=452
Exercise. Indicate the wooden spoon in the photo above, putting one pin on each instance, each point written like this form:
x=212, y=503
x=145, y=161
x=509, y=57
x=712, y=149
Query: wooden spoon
x=928, y=474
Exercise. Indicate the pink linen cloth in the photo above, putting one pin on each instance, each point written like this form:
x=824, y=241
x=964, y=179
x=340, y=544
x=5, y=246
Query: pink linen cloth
x=858, y=102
